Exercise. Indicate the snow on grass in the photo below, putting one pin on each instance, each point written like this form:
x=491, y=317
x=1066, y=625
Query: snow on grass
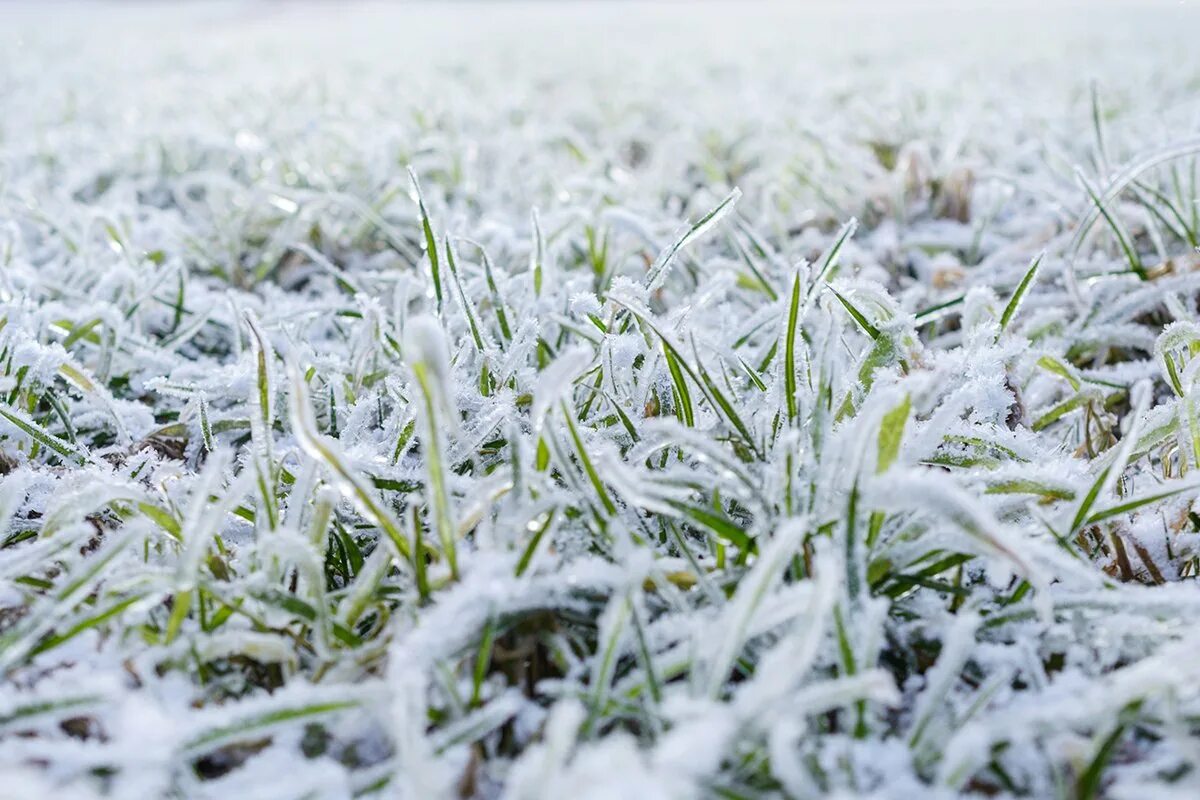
x=653, y=401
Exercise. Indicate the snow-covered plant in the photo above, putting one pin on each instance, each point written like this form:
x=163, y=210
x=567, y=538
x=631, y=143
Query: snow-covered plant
x=419, y=406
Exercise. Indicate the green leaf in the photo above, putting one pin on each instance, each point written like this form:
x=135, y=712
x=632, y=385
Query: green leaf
x=829, y=264
x=862, y=321
x=659, y=269
x=716, y=522
x=789, y=348
x=430, y=239
x=45, y=438
x=248, y=726
x=891, y=432
x=1123, y=238
x=1136, y=503
x=586, y=462
x=1014, y=302
x=681, y=387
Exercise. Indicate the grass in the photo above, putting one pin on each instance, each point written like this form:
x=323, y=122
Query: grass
x=476, y=421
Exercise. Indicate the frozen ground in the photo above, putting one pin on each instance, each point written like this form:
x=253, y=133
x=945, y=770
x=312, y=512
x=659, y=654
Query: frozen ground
x=620, y=462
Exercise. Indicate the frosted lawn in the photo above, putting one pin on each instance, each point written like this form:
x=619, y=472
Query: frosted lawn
x=520, y=401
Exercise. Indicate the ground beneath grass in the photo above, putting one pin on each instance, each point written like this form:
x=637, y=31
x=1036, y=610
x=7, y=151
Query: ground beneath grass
x=543, y=400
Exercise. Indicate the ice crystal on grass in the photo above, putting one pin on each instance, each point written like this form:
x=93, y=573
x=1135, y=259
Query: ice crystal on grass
x=399, y=404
